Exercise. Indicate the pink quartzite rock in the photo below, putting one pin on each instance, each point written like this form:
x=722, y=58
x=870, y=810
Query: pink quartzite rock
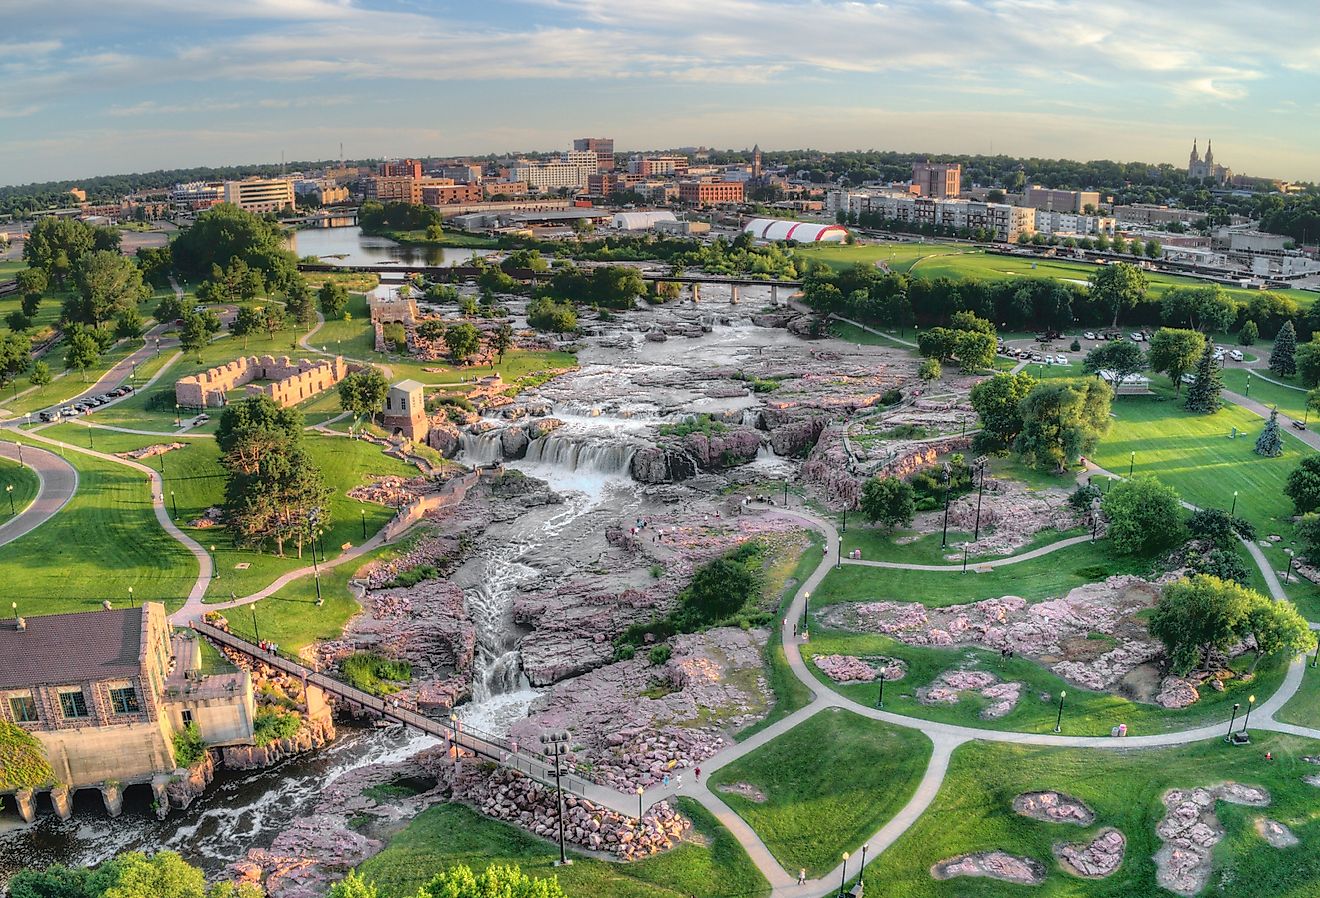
x=992, y=865
x=1095, y=859
x=1053, y=807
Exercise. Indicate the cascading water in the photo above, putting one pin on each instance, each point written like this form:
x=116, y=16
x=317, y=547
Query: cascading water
x=573, y=453
x=481, y=448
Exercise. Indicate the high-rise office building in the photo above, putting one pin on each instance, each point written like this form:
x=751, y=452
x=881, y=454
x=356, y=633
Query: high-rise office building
x=603, y=147
x=942, y=180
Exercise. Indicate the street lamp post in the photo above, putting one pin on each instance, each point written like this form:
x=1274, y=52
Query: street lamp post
x=89, y=437
x=964, y=570
x=944, y=538
x=1132, y=461
x=1058, y=721
x=20, y=449
x=862, y=869
x=838, y=562
x=256, y=631
x=640, y=790
x=364, y=523
x=556, y=746
x=1287, y=571
x=980, y=462
x=1246, y=719
x=131, y=603
x=215, y=565
x=1232, y=511
x=1228, y=737
x=881, y=703
x=786, y=492
x=9, y=488
x=174, y=500
x=178, y=420
x=844, y=880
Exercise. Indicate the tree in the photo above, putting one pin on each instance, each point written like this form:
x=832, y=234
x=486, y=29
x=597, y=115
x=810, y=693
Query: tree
x=353, y=886
x=298, y=303
x=1061, y=420
x=496, y=882
x=1308, y=534
x=17, y=321
x=1270, y=442
x=974, y=350
x=1117, y=287
x=546, y=314
x=431, y=329
x=15, y=356
x=40, y=377
x=363, y=392
x=198, y=329
x=170, y=308
x=463, y=339
x=719, y=589
x=998, y=402
x=1153, y=249
x=1174, y=351
x=888, y=501
x=1203, y=394
x=1276, y=628
x=930, y=370
x=1198, y=616
x=107, y=284
x=502, y=341
x=32, y=285
x=1308, y=362
x=1283, y=360
x=1249, y=333
x=272, y=318
x=333, y=298
x=128, y=324
x=163, y=875
x=56, y=245
x=23, y=763
x=1200, y=308
x=81, y=352
x=246, y=323
x=1303, y=485
x=1123, y=357
x=224, y=232
x=1144, y=515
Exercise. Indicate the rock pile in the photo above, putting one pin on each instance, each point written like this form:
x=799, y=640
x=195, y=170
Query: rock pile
x=1011, y=515
x=508, y=795
x=745, y=790
x=305, y=857
x=1053, y=807
x=851, y=669
x=151, y=451
x=1060, y=629
x=948, y=689
x=1095, y=859
x=1275, y=833
x=1190, y=830
x=992, y=865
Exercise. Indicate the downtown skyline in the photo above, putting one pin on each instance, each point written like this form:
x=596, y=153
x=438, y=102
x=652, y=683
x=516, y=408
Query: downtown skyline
x=147, y=85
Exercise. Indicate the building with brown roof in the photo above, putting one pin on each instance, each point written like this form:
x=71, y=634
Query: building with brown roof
x=104, y=692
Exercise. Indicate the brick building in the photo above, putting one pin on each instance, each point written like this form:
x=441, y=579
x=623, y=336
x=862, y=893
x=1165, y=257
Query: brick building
x=942, y=180
x=400, y=168
x=449, y=194
x=405, y=411
x=710, y=193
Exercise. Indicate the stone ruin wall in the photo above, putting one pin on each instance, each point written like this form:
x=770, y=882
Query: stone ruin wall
x=290, y=382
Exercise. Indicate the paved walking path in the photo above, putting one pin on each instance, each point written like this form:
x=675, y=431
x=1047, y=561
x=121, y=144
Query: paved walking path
x=57, y=481
x=975, y=564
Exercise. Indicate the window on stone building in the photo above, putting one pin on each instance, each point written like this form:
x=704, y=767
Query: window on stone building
x=23, y=707
x=73, y=703
x=125, y=700
x=187, y=717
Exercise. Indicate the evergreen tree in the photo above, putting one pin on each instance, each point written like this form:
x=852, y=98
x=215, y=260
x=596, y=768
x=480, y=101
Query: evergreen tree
x=1270, y=443
x=1203, y=394
x=1283, y=360
x=1249, y=333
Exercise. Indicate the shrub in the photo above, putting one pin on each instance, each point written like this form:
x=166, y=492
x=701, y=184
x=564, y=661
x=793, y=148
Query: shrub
x=1144, y=515
x=414, y=575
x=659, y=654
x=188, y=746
x=272, y=726
x=375, y=673
x=1083, y=496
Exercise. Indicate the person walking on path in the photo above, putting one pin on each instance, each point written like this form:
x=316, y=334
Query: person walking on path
x=802, y=876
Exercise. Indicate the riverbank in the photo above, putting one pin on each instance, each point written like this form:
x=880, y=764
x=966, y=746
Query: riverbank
x=450, y=239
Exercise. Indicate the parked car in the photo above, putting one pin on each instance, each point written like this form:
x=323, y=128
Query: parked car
x=50, y=415
x=1088, y=335
x=1236, y=355
x=1061, y=359
x=1137, y=336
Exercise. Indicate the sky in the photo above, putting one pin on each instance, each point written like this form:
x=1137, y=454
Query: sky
x=107, y=86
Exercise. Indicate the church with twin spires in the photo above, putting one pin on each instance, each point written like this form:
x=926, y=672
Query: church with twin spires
x=1199, y=169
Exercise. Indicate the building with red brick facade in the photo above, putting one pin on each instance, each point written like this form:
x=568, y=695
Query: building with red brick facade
x=710, y=193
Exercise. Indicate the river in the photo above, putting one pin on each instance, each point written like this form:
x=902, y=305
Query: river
x=350, y=246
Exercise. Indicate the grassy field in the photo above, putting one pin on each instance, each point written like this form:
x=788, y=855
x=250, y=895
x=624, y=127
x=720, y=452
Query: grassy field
x=1290, y=401
x=898, y=256
x=790, y=693
x=1303, y=709
x=973, y=812
x=1086, y=713
x=1193, y=454
x=881, y=545
x=713, y=865
x=24, y=484
x=194, y=481
x=104, y=541
x=851, y=333
x=829, y=783
x=1038, y=578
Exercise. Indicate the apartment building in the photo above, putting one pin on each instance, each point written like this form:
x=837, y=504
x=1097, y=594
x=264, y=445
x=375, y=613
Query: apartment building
x=1004, y=221
x=603, y=147
x=655, y=166
x=448, y=194
x=197, y=195
x=573, y=171
x=710, y=193
x=400, y=168
x=260, y=195
x=460, y=172
x=1071, y=224
x=1038, y=197
x=941, y=180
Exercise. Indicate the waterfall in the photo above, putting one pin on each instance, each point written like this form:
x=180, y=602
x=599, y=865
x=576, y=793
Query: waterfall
x=481, y=448
x=577, y=454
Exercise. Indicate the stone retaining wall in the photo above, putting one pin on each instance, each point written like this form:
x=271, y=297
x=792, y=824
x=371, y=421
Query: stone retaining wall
x=290, y=382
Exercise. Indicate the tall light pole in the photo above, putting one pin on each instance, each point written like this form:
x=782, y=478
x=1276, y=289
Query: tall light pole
x=1058, y=721
x=1251, y=701
x=1233, y=510
x=838, y=562
x=20, y=447
x=1132, y=461
x=881, y=703
x=948, y=483
x=844, y=880
x=556, y=746
x=215, y=565
x=640, y=790
x=9, y=488
x=1228, y=737
x=981, y=463
x=175, y=502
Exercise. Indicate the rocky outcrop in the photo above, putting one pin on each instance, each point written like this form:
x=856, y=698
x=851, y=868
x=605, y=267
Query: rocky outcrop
x=1176, y=692
x=1275, y=833
x=513, y=442
x=657, y=465
x=313, y=733
x=948, y=689
x=189, y=782
x=305, y=858
x=1190, y=830
x=1053, y=807
x=715, y=452
x=851, y=669
x=992, y=865
x=542, y=426
x=1100, y=857
x=444, y=437
x=797, y=436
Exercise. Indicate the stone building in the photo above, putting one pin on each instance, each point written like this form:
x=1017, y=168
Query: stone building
x=104, y=692
x=405, y=411
x=285, y=381
x=387, y=305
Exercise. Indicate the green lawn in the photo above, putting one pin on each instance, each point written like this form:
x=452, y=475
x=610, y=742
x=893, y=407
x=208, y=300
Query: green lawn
x=851, y=333
x=1193, y=454
x=790, y=693
x=104, y=541
x=1039, y=578
x=713, y=865
x=24, y=483
x=1086, y=713
x=898, y=256
x=973, y=812
x=1303, y=709
x=1290, y=401
x=829, y=784
x=881, y=545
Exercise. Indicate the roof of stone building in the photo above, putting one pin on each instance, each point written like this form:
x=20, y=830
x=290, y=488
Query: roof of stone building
x=67, y=648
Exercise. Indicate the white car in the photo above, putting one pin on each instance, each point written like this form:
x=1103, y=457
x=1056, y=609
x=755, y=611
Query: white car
x=1061, y=359
x=1219, y=357
x=1088, y=335
x=1137, y=336
x=1236, y=355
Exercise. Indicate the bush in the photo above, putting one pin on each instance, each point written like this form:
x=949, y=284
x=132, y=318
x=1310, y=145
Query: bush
x=375, y=673
x=188, y=746
x=659, y=654
x=1076, y=345
x=1144, y=516
x=414, y=575
x=272, y=726
x=1083, y=496
x=702, y=423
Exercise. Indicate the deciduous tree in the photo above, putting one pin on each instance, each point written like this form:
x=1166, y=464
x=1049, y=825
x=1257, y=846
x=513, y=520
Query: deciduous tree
x=998, y=402
x=1174, y=351
x=1144, y=516
x=1061, y=420
x=888, y=501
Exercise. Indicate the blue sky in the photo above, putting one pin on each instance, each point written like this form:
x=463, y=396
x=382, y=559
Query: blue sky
x=130, y=85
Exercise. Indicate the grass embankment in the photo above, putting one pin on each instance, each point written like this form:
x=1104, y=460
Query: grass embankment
x=713, y=865
x=1303, y=709
x=973, y=812
x=1195, y=455
x=1290, y=400
x=829, y=784
x=781, y=584
x=104, y=541
x=25, y=485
